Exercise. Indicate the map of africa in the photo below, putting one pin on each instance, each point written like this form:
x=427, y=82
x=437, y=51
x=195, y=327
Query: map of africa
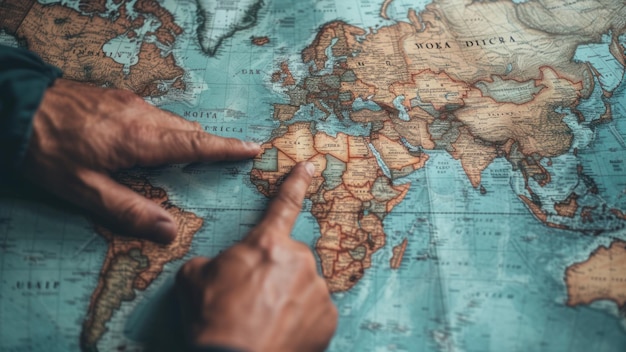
x=470, y=192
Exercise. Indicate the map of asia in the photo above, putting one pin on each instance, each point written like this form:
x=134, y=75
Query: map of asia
x=470, y=192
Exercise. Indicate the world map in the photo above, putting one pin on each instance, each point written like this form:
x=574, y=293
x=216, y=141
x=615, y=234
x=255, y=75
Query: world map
x=470, y=185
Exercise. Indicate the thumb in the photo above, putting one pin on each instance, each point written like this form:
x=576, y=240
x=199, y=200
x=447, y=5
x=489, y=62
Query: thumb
x=124, y=211
x=193, y=271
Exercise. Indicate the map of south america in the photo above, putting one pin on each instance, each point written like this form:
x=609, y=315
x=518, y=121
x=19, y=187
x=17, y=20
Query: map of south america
x=132, y=265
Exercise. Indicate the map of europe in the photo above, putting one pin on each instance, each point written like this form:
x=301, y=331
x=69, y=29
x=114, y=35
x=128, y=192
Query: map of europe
x=470, y=185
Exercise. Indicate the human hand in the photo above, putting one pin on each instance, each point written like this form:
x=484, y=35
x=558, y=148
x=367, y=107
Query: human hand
x=82, y=133
x=263, y=294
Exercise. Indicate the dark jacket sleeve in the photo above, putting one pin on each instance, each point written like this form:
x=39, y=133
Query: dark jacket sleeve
x=212, y=349
x=24, y=78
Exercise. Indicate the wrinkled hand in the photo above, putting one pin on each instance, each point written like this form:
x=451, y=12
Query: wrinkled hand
x=263, y=294
x=82, y=133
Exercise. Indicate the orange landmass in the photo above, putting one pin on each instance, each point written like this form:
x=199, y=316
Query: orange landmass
x=433, y=62
x=284, y=112
x=531, y=168
x=599, y=17
x=534, y=208
x=587, y=214
x=289, y=80
x=65, y=38
x=284, y=75
x=383, y=9
x=133, y=264
x=438, y=56
x=617, y=50
x=169, y=30
x=601, y=277
x=475, y=155
x=92, y=6
x=608, y=113
x=433, y=88
x=335, y=146
x=366, y=115
x=398, y=254
x=260, y=41
x=540, y=214
x=345, y=35
x=414, y=19
x=535, y=125
x=297, y=143
x=472, y=51
x=383, y=70
x=349, y=207
x=568, y=207
x=389, y=141
x=381, y=62
x=415, y=131
x=395, y=154
x=12, y=14
x=619, y=214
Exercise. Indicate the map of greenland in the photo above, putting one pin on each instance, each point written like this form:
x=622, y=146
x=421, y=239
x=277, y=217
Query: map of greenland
x=219, y=20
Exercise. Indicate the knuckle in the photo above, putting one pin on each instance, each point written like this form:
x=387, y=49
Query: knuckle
x=287, y=198
x=244, y=256
x=196, y=143
x=133, y=214
x=267, y=242
x=127, y=97
x=270, y=248
x=256, y=238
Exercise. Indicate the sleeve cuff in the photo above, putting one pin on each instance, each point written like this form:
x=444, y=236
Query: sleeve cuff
x=212, y=349
x=24, y=78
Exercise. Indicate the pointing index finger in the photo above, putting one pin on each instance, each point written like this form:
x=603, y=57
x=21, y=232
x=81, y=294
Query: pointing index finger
x=165, y=146
x=284, y=209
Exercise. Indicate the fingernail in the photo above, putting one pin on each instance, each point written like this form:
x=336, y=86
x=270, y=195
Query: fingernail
x=310, y=168
x=164, y=231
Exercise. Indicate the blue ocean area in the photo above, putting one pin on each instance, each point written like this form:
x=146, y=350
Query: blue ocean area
x=480, y=271
x=606, y=156
x=611, y=71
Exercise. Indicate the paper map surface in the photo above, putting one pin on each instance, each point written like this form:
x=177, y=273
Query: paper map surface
x=470, y=192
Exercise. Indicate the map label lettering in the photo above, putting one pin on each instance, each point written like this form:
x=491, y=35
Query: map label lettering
x=489, y=41
x=223, y=129
x=433, y=45
x=201, y=114
x=37, y=285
